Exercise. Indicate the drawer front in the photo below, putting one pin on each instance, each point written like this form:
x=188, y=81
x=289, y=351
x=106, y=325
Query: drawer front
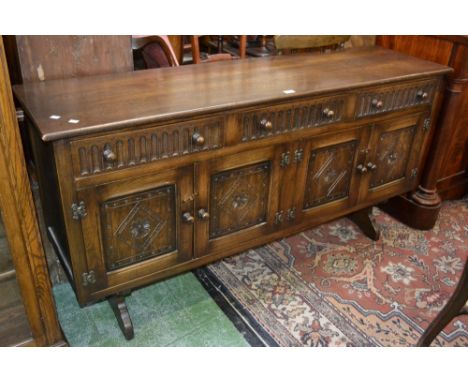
x=127, y=149
x=270, y=121
x=395, y=98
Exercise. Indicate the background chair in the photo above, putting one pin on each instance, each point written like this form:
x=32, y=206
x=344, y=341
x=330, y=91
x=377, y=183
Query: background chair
x=307, y=44
x=199, y=58
x=153, y=52
x=455, y=306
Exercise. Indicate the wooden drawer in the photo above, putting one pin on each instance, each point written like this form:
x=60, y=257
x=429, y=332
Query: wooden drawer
x=132, y=148
x=274, y=120
x=395, y=97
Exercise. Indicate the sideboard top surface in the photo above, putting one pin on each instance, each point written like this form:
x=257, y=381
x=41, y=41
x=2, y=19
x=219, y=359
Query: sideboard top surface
x=100, y=103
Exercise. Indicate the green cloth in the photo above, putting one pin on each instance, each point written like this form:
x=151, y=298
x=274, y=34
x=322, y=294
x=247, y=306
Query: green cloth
x=174, y=312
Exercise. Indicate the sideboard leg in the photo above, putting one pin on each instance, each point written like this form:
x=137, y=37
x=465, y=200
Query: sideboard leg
x=117, y=302
x=366, y=222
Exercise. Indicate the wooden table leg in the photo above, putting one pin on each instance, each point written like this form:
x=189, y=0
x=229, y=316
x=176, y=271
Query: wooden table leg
x=117, y=302
x=366, y=222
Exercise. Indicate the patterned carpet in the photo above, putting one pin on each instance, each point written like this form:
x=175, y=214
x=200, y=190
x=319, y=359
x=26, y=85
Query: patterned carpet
x=332, y=286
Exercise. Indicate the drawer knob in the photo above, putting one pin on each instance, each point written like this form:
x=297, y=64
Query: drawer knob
x=203, y=214
x=361, y=169
x=187, y=217
x=421, y=94
x=328, y=113
x=266, y=124
x=377, y=103
x=198, y=139
x=371, y=166
x=109, y=155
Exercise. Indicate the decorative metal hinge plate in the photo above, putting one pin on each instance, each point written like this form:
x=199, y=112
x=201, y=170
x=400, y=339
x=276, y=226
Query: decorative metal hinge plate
x=291, y=214
x=79, y=210
x=279, y=217
x=285, y=159
x=88, y=278
x=427, y=124
x=298, y=155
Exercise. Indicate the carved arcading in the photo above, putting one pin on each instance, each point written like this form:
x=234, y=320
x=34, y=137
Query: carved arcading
x=395, y=98
x=290, y=118
x=145, y=146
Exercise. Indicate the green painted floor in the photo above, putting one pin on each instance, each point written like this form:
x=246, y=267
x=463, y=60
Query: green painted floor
x=174, y=312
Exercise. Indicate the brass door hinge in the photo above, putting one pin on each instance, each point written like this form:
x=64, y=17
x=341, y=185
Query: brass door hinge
x=279, y=217
x=285, y=160
x=88, y=278
x=298, y=155
x=79, y=210
x=427, y=124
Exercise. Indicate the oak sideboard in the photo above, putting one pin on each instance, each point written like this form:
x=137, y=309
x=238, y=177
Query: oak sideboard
x=148, y=174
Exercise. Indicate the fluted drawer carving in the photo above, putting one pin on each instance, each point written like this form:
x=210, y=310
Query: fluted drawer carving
x=95, y=155
x=271, y=121
x=395, y=98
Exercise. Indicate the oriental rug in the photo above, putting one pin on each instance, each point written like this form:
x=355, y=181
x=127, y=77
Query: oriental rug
x=332, y=286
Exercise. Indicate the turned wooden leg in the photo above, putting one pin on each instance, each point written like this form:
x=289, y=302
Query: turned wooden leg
x=117, y=302
x=366, y=222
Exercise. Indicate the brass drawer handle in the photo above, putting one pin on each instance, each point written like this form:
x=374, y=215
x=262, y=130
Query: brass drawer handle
x=378, y=104
x=371, y=166
x=328, y=113
x=266, y=124
x=422, y=94
x=109, y=155
x=187, y=217
x=198, y=139
x=203, y=214
x=361, y=169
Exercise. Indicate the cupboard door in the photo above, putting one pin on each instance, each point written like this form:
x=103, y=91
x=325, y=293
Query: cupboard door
x=137, y=226
x=392, y=163
x=326, y=176
x=237, y=199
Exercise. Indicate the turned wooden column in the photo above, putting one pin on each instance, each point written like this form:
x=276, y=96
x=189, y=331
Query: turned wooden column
x=446, y=164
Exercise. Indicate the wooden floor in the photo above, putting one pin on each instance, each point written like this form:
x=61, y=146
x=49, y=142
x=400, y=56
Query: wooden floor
x=14, y=327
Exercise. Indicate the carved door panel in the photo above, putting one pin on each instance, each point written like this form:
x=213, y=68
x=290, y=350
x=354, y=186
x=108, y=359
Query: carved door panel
x=137, y=226
x=327, y=174
x=237, y=199
x=393, y=159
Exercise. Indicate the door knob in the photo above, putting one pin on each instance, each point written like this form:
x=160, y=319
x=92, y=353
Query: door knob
x=421, y=94
x=109, y=155
x=378, y=104
x=198, y=139
x=328, y=113
x=361, y=169
x=266, y=124
x=371, y=166
x=187, y=217
x=203, y=214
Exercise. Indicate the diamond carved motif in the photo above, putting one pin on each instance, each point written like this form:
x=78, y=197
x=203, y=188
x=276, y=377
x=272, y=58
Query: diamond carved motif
x=238, y=198
x=139, y=226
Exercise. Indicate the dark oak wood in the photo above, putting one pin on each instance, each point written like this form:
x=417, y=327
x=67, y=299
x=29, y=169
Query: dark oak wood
x=184, y=166
x=150, y=96
x=366, y=222
x=445, y=174
x=119, y=307
x=22, y=234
